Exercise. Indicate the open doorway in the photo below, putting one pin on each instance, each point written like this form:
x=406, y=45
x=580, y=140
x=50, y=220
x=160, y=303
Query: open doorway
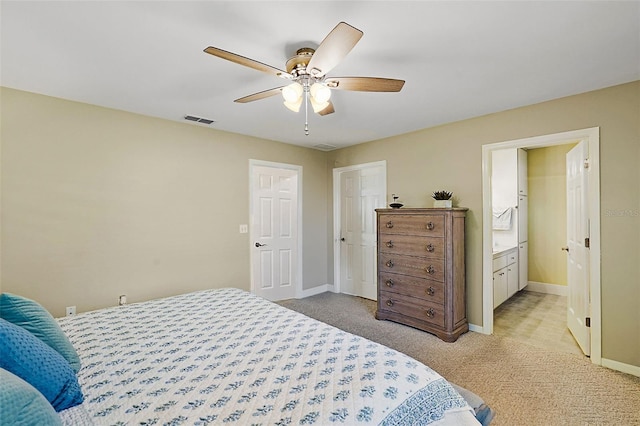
x=591, y=138
x=530, y=292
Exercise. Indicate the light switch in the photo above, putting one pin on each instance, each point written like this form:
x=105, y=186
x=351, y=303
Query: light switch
x=244, y=229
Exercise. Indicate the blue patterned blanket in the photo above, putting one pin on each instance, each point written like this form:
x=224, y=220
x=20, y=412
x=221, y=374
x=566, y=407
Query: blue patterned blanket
x=228, y=357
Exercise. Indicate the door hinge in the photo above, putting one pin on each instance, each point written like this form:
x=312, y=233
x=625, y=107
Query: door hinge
x=587, y=321
x=586, y=242
x=586, y=163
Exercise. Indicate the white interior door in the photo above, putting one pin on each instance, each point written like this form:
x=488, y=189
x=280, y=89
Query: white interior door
x=351, y=258
x=578, y=300
x=274, y=231
x=361, y=190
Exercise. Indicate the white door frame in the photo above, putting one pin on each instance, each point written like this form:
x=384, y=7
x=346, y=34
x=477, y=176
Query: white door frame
x=298, y=170
x=337, y=225
x=592, y=136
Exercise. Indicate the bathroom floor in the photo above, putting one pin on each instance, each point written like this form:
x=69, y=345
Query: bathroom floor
x=538, y=319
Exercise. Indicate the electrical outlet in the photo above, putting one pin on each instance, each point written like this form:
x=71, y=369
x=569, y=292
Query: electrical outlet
x=71, y=310
x=122, y=299
x=244, y=229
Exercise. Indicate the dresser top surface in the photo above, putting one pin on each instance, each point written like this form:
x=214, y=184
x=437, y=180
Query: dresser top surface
x=409, y=210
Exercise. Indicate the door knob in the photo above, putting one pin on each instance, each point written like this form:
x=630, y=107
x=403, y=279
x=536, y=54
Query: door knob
x=342, y=239
x=566, y=249
x=260, y=245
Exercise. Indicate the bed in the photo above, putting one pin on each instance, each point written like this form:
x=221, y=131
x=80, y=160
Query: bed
x=226, y=356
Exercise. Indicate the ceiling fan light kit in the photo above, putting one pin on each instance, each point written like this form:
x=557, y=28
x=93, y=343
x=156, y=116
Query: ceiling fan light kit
x=295, y=105
x=316, y=105
x=320, y=92
x=308, y=70
x=293, y=92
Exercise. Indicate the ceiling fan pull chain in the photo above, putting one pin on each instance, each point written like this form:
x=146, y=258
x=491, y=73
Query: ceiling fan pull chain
x=306, y=110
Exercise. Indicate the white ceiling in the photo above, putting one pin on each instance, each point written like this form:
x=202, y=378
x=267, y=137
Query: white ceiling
x=459, y=59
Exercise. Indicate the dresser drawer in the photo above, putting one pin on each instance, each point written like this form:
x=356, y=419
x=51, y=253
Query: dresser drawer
x=428, y=225
x=420, y=267
x=432, y=291
x=432, y=247
x=406, y=305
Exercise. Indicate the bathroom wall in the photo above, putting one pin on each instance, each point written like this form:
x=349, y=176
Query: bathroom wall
x=548, y=214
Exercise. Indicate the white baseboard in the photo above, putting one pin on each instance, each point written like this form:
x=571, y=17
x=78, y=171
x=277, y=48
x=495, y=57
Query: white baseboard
x=315, y=290
x=477, y=328
x=620, y=366
x=559, y=290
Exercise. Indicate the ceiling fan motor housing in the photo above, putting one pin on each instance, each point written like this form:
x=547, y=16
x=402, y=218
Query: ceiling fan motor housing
x=297, y=65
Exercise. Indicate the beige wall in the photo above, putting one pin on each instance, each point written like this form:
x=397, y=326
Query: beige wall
x=547, y=214
x=98, y=202
x=449, y=156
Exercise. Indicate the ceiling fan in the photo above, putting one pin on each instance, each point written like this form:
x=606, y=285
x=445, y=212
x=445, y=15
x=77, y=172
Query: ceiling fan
x=307, y=73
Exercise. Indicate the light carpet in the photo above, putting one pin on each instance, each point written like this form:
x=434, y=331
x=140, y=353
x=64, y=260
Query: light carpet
x=525, y=385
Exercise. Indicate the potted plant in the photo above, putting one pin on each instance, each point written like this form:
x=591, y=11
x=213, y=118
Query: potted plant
x=442, y=199
x=395, y=204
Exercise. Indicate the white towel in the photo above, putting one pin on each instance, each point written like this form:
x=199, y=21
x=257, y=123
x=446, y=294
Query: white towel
x=502, y=218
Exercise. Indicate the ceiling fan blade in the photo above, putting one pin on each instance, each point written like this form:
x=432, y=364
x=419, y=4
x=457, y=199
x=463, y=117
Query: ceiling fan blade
x=238, y=59
x=365, y=84
x=328, y=109
x=259, y=95
x=335, y=46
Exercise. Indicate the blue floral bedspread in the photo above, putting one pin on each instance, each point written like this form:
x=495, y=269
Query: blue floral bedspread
x=228, y=357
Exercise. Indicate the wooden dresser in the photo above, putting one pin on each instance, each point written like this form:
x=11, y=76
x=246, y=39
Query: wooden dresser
x=421, y=269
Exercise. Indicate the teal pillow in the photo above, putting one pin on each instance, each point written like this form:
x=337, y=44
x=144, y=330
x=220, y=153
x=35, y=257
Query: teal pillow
x=29, y=315
x=29, y=358
x=22, y=405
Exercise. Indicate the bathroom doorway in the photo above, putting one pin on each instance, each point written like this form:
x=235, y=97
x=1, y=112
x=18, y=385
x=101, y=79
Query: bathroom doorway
x=591, y=136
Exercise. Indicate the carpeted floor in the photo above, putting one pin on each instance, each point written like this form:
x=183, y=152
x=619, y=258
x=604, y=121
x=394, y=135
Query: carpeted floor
x=524, y=384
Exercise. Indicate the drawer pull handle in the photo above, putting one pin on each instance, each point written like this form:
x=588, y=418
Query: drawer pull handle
x=389, y=283
x=389, y=303
x=390, y=224
x=430, y=313
x=430, y=269
x=389, y=243
x=389, y=264
x=430, y=248
x=430, y=226
x=431, y=291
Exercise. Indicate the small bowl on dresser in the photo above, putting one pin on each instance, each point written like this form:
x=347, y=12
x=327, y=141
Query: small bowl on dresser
x=396, y=205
